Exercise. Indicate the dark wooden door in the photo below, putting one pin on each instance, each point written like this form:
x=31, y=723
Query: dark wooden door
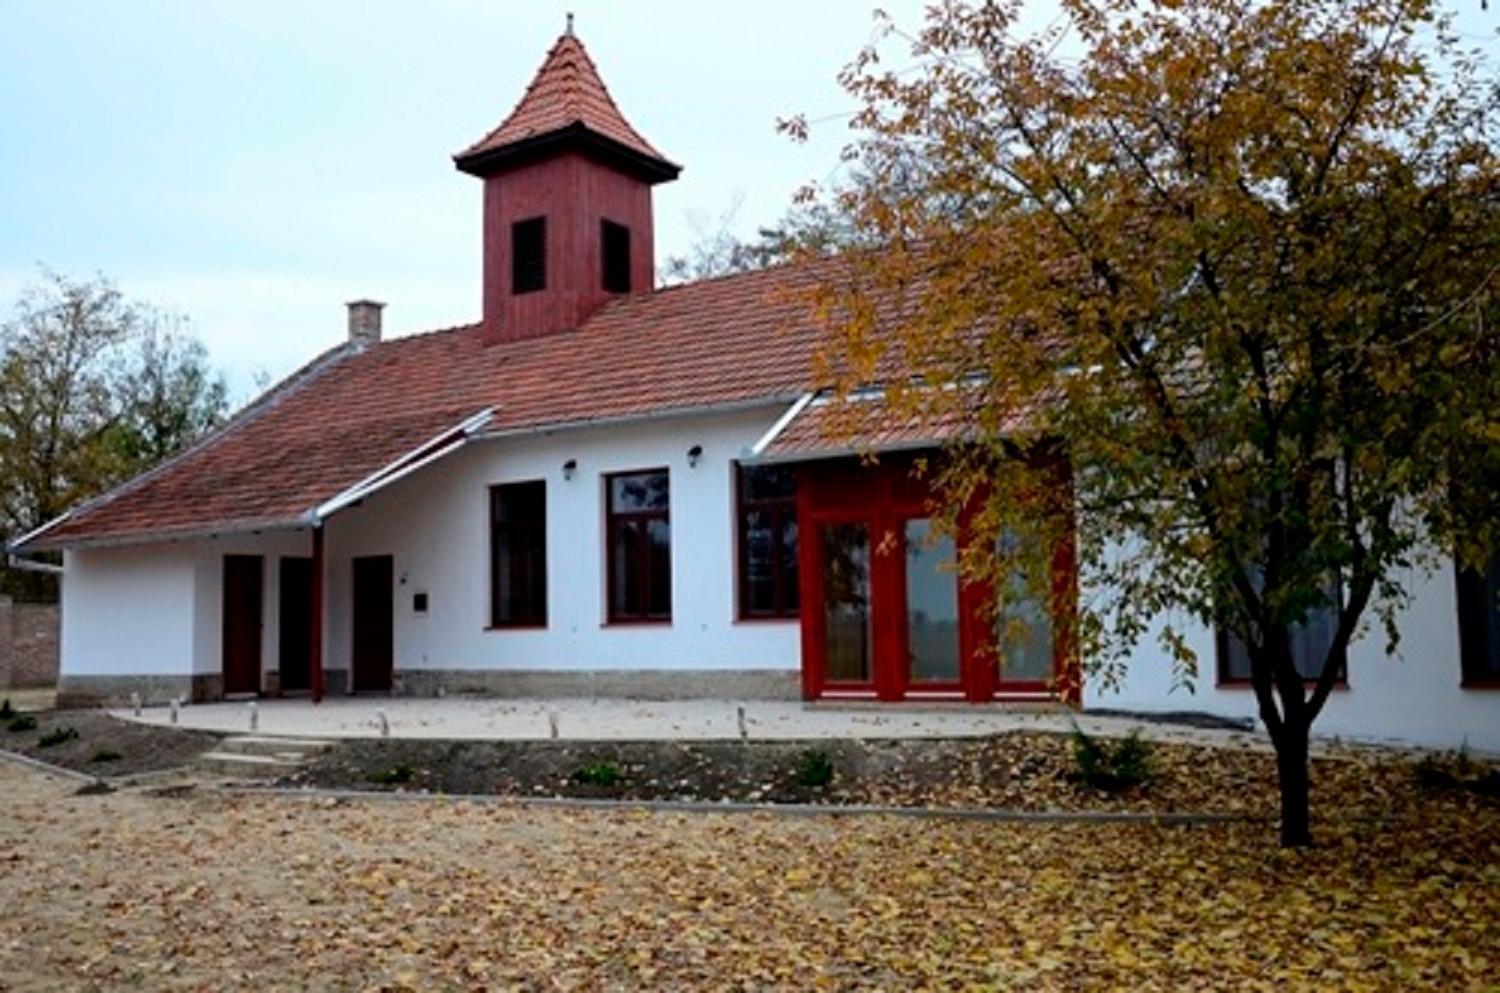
x=242, y=623
x=373, y=651
x=295, y=612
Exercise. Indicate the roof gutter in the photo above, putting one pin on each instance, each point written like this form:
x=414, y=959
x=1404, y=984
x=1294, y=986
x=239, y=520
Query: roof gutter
x=13, y=544
x=787, y=417
x=14, y=561
x=626, y=420
x=423, y=455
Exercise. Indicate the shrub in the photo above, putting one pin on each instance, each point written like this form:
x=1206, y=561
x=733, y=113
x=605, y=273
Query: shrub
x=22, y=722
x=598, y=774
x=56, y=736
x=6, y=710
x=395, y=775
x=106, y=755
x=1112, y=766
x=814, y=768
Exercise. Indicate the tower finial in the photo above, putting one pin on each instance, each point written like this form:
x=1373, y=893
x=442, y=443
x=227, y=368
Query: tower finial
x=569, y=32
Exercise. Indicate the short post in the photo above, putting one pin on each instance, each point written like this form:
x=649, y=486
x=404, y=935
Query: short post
x=552, y=722
x=254, y=716
x=135, y=704
x=174, y=710
x=384, y=723
x=744, y=728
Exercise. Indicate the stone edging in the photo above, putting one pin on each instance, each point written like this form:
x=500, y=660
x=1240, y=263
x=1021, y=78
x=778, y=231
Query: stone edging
x=1167, y=818
x=48, y=767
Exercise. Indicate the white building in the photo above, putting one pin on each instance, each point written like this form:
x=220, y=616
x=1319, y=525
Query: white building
x=603, y=487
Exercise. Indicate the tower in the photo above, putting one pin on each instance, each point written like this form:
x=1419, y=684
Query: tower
x=567, y=201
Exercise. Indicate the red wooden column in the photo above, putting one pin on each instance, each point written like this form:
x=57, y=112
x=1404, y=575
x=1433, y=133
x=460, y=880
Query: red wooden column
x=315, y=650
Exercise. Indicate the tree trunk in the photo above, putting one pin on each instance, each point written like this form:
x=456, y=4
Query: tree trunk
x=1291, y=769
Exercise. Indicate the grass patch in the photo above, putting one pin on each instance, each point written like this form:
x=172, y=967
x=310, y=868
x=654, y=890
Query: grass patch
x=396, y=775
x=599, y=774
x=1112, y=766
x=814, y=768
x=21, y=722
x=106, y=755
x=56, y=736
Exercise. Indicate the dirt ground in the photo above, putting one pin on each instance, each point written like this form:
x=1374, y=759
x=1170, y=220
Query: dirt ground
x=1018, y=770
x=205, y=891
x=103, y=746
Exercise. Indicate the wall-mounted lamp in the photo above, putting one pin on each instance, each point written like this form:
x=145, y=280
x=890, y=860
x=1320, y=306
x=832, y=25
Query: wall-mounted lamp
x=694, y=454
x=569, y=468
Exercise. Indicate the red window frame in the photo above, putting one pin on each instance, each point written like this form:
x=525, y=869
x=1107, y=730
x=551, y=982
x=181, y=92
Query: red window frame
x=785, y=592
x=641, y=568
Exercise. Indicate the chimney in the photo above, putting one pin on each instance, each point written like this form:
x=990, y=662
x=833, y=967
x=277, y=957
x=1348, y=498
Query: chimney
x=364, y=322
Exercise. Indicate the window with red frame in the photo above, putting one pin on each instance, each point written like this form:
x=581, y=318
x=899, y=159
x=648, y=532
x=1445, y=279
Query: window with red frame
x=1310, y=639
x=640, y=546
x=766, y=500
x=518, y=555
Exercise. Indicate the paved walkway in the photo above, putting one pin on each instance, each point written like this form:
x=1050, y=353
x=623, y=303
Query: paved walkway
x=640, y=720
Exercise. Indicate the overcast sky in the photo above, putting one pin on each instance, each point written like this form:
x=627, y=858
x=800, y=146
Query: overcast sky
x=254, y=165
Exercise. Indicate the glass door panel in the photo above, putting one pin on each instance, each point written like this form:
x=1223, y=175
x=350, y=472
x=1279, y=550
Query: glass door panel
x=1023, y=632
x=932, y=644
x=846, y=603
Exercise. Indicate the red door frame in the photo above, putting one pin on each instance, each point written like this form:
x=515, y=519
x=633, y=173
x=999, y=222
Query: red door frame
x=884, y=496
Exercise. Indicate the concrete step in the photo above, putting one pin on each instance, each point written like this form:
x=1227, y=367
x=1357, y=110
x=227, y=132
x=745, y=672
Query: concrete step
x=255, y=744
x=243, y=764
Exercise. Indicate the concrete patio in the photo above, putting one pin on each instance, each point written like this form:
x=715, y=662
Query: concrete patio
x=640, y=720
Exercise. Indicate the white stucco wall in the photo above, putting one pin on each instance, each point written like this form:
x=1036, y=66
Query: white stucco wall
x=436, y=525
x=158, y=609
x=1413, y=697
x=127, y=610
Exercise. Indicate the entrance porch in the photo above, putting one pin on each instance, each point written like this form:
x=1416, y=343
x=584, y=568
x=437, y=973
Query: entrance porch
x=885, y=615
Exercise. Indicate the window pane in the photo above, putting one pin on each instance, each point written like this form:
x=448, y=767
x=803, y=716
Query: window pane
x=767, y=482
x=637, y=492
x=614, y=242
x=520, y=502
x=1310, y=643
x=659, y=535
x=518, y=548
x=931, y=606
x=1025, y=638
x=846, y=602
x=790, y=594
x=627, y=591
x=1023, y=631
x=759, y=562
x=528, y=255
x=1479, y=622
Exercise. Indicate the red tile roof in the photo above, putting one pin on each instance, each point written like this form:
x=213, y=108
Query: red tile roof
x=565, y=92
x=827, y=428
x=737, y=340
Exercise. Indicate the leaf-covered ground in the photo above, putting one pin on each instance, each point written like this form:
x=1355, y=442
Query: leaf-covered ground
x=208, y=892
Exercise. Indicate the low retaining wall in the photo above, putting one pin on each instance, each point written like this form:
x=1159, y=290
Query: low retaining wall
x=641, y=684
x=28, y=644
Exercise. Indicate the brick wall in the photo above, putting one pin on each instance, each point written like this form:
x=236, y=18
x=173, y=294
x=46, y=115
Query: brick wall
x=28, y=644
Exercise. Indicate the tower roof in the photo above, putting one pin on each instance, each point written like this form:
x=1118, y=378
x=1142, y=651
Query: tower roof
x=566, y=103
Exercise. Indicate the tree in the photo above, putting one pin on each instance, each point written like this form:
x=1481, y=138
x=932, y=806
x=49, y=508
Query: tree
x=810, y=227
x=93, y=389
x=1235, y=264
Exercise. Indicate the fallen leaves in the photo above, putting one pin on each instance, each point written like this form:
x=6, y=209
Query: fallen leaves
x=215, y=892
